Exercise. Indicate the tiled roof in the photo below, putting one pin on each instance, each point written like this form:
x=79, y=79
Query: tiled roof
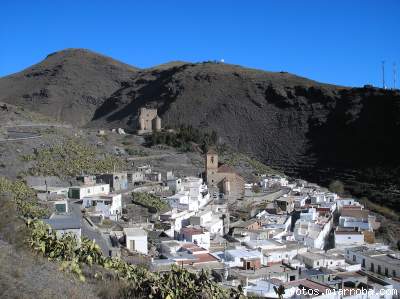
x=226, y=169
x=355, y=213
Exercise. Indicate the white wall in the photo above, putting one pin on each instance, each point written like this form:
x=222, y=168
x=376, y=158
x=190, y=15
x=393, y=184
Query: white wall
x=349, y=239
x=140, y=243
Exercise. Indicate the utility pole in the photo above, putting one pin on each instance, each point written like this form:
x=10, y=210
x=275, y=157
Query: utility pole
x=383, y=74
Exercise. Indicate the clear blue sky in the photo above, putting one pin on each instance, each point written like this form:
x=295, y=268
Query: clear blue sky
x=334, y=41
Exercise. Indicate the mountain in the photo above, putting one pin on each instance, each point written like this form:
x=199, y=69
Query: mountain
x=68, y=85
x=306, y=128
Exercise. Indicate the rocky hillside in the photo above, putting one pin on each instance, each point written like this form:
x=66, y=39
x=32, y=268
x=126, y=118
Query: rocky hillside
x=306, y=128
x=68, y=85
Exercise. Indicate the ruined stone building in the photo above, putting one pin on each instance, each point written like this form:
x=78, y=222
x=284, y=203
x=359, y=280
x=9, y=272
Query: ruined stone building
x=148, y=121
x=223, y=177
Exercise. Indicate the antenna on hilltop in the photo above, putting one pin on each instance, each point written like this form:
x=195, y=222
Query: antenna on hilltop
x=394, y=75
x=383, y=74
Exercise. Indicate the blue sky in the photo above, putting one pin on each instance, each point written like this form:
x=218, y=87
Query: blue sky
x=341, y=41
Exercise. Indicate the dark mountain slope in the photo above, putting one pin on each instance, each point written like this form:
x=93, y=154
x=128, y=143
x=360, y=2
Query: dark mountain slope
x=68, y=85
x=317, y=131
x=313, y=130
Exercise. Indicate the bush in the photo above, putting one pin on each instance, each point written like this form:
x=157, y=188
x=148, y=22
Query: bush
x=24, y=198
x=336, y=187
x=70, y=159
x=150, y=201
x=184, y=138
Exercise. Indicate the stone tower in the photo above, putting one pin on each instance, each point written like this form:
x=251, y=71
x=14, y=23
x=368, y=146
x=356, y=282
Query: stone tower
x=211, y=166
x=148, y=121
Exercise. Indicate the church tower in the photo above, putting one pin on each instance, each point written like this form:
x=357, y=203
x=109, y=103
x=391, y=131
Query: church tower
x=211, y=166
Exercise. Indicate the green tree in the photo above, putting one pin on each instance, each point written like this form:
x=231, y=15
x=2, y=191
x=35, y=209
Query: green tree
x=336, y=187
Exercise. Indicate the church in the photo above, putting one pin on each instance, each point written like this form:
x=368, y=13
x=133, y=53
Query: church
x=223, y=177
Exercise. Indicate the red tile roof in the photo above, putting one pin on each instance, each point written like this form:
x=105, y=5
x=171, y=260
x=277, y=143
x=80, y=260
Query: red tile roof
x=205, y=258
x=192, y=230
x=226, y=169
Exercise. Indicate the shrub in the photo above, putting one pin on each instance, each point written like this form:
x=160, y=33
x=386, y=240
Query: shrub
x=336, y=187
x=185, y=137
x=150, y=201
x=70, y=159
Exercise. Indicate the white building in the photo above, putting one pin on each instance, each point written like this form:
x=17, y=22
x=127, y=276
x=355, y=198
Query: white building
x=348, y=238
x=380, y=259
x=45, y=192
x=356, y=218
x=192, y=195
x=210, y=222
x=79, y=192
x=106, y=206
x=136, y=239
x=317, y=260
x=177, y=220
x=286, y=252
x=63, y=224
x=343, y=202
x=237, y=257
x=198, y=236
x=319, y=197
x=312, y=231
x=174, y=184
x=268, y=182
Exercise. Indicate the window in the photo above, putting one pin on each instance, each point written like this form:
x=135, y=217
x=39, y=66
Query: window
x=386, y=272
x=363, y=263
x=394, y=273
x=212, y=159
x=354, y=258
x=372, y=267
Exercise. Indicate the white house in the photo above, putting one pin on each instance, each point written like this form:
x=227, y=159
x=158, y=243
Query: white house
x=343, y=202
x=310, y=215
x=313, y=233
x=357, y=218
x=182, y=201
x=198, y=236
x=270, y=181
x=106, y=206
x=262, y=288
x=378, y=259
x=238, y=257
x=348, y=238
x=192, y=194
x=284, y=253
x=63, y=224
x=174, y=184
x=317, y=260
x=177, y=220
x=79, y=192
x=210, y=222
x=45, y=192
x=136, y=239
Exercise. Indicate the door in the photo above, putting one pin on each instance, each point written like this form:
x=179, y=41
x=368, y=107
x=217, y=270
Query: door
x=132, y=245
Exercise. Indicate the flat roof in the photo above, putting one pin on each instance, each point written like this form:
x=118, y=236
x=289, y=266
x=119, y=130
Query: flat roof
x=135, y=232
x=87, y=186
x=244, y=253
x=62, y=222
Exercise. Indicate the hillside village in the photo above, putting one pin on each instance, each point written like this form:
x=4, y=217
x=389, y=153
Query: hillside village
x=264, y=235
